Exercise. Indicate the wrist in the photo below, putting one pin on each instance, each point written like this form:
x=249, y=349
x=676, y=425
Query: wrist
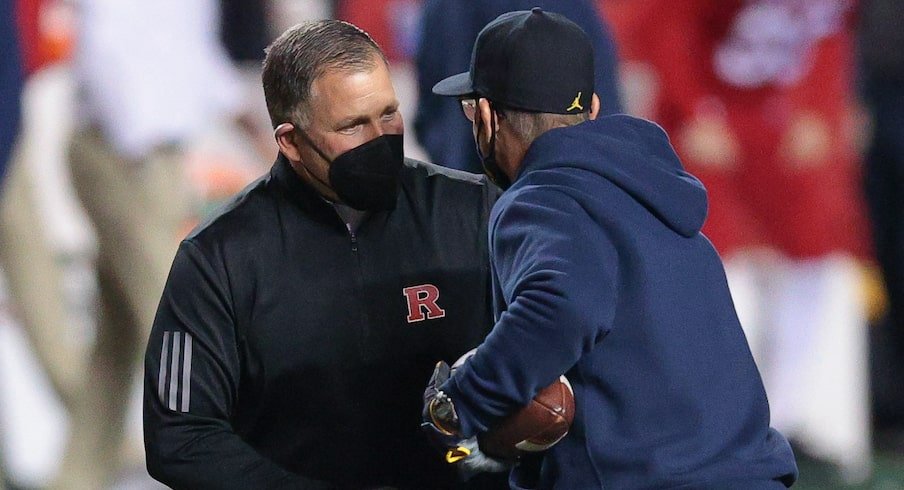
x=443, y=415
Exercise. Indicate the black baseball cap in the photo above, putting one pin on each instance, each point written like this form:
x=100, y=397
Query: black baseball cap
x=530, y=60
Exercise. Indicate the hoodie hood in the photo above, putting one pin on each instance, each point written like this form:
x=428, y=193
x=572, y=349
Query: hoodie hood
x=633, y=154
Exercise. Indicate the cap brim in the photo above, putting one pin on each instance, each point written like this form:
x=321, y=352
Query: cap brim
x=455, y=86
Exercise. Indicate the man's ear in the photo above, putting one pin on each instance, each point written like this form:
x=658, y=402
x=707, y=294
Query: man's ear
x=594, y=106
x=486, y=117
x=285, y=138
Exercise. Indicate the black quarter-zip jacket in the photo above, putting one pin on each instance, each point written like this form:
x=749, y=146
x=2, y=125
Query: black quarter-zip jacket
x=287, y=350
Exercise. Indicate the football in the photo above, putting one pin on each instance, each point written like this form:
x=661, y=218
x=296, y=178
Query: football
x=536, y=427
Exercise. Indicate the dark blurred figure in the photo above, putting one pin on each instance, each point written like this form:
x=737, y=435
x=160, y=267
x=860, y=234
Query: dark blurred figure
x=448, y=31
x=244, y=35
x=10, y=82
x=244, y=29
x=880, y=40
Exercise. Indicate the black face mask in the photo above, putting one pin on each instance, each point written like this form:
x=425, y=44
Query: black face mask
x=490, y=166
x=367, y=176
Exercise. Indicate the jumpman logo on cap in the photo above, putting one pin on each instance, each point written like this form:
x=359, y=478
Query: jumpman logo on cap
x=576, y=104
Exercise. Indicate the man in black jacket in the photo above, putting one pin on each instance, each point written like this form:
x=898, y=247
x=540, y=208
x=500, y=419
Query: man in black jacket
x=299, y=324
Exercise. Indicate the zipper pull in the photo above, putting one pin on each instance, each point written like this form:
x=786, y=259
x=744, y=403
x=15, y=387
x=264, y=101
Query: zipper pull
x=354, y=240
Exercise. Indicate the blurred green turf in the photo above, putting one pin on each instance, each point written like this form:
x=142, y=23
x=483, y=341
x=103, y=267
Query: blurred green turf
x=888, y=474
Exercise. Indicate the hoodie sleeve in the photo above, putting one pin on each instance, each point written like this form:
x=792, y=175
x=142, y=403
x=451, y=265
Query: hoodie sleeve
x=192, y=376
x=556, y=274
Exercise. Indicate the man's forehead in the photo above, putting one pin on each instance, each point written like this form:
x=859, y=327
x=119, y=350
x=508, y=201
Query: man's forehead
x=340, y=92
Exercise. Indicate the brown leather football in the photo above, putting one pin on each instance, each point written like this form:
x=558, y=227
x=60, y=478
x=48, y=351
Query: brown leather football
x=536, y=427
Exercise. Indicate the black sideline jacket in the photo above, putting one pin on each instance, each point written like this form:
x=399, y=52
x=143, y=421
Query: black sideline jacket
x=288, y=352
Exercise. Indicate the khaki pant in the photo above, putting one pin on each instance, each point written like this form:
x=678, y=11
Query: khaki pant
x=34, y=280
x=137, y=209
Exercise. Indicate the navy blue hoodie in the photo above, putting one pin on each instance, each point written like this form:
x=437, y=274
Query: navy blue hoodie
x=600, y=272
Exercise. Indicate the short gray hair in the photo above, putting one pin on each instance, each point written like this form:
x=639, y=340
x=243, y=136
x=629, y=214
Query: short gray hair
x=528, y=125
x=304, y=52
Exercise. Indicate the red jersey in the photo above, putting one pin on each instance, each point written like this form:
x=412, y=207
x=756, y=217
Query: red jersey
x=780, y=75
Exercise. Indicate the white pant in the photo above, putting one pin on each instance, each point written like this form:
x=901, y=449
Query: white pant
x=806, y=324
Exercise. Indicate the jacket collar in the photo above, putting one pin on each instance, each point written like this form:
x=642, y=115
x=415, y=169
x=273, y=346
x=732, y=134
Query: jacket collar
x=309, y=201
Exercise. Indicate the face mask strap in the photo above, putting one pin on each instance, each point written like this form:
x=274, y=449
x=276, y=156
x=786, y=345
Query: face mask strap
x=492, y=154
x=310, y=142
x=296, y=128
x=490, y=166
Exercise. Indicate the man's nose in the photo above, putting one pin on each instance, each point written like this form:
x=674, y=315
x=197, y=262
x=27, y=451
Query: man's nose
x=375, y=130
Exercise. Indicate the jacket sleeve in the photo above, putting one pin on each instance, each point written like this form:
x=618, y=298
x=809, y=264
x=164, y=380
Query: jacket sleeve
x=556, y=273
x=191, y=383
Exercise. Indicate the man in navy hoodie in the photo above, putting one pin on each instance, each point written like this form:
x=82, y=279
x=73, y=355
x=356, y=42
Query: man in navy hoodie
x=600, y=272
x=447, y=32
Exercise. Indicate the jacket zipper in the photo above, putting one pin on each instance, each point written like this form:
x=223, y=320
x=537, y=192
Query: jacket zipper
x=364, y=332
x=354, y=238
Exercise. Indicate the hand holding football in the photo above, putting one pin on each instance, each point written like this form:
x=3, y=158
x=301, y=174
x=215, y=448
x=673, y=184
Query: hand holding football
x=535, y=427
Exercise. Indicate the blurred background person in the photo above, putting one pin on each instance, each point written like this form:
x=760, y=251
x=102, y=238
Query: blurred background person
x=447, y=32
x=30, y=265
x=10, y=93
x=881, y=59
x=758, y=96
x=244, y=29
x=150, y=76
x=244, y=33
x=33, y=276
